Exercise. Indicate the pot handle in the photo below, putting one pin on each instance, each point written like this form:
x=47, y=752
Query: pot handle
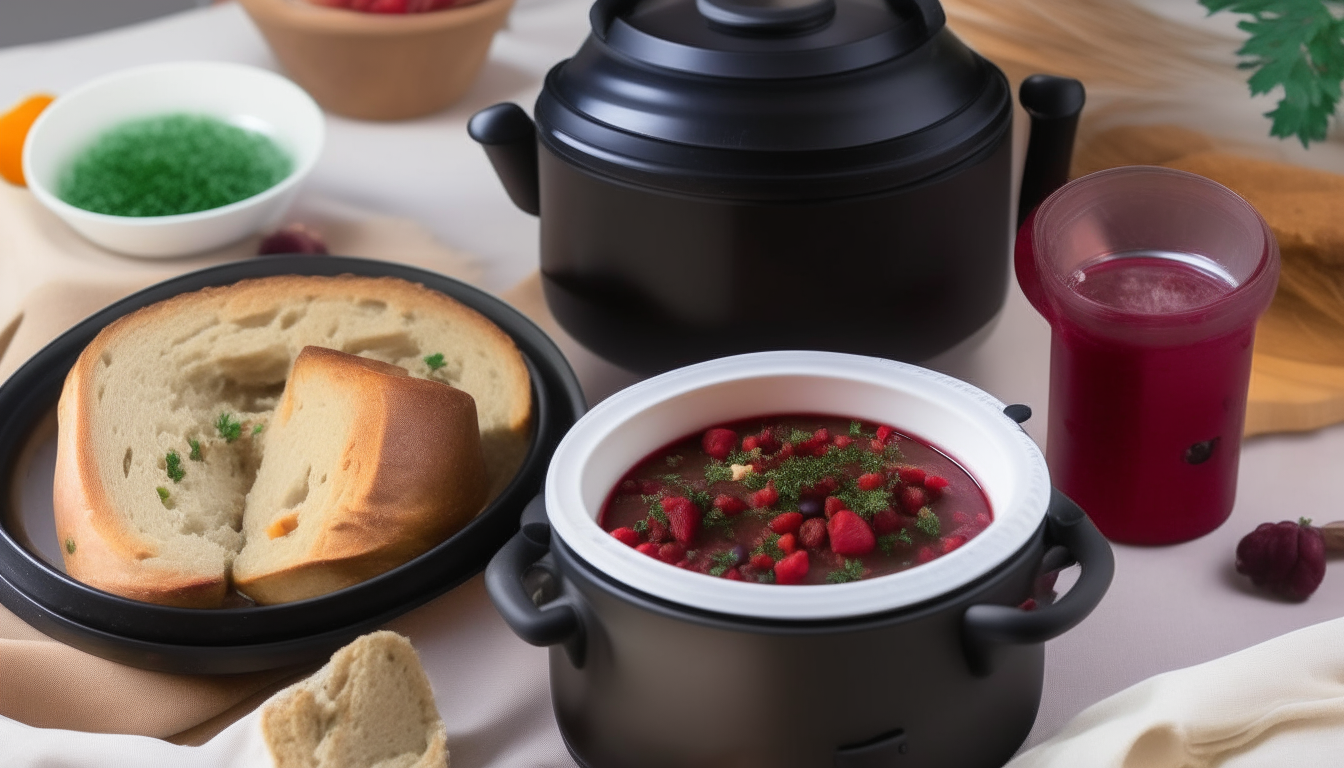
x=986, y=627
x=558, y=621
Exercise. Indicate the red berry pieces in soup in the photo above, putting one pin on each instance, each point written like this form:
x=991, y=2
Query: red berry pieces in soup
x=797, y=499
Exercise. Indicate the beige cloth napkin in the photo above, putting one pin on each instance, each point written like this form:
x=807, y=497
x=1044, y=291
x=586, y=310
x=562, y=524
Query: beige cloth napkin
x=1279, y=704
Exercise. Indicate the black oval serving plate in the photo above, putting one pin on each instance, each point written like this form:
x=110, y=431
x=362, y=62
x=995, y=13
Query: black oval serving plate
x=230, y=640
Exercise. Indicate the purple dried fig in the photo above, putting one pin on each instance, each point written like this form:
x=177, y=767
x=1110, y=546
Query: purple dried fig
x=1288, y=558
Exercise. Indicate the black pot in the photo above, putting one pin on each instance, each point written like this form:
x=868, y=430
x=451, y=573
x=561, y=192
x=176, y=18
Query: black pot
x=720, y=176
x=659, y=667
x=33, y=583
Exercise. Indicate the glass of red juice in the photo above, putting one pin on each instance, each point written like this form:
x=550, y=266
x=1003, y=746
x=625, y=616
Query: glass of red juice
x=1152, y=280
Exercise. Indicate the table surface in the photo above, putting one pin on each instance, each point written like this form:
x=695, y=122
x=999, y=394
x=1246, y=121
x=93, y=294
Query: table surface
x=1169, y=607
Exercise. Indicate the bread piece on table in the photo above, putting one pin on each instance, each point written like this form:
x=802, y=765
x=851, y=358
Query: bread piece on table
x=365, y=468
x=371, y=706
x=157, y=382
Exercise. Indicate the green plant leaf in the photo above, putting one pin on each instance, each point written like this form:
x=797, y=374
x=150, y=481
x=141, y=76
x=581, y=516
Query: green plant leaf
x=1298, y=46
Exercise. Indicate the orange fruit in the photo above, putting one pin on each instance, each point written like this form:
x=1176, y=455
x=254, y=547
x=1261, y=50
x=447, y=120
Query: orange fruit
x=14, y=126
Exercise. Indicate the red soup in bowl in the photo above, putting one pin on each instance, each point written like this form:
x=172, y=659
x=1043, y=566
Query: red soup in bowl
x=796, y=499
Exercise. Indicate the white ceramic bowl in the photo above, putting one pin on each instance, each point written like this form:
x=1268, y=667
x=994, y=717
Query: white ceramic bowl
x=249, y=97
x=964, y=422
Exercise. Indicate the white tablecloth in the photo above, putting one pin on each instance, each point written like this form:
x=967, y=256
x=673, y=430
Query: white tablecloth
x=1169, y=607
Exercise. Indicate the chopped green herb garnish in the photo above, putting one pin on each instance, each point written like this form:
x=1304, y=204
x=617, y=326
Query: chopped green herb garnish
x=701, y=499
x=715, y=518
x=435, y=361
x=195, y=454
x=723, y=562
x=851, y=571
x=855, y=429
x=718, y=472
x=163, y=495
x=229, y=428
x=69, y=545
x=769, y=547
x=744, y=457
x=864, y=503
x=766, y=578
x=656, y=508
x=641, y=526
x=257, y=429
x=888, y=541
x=928, y=523
x=173, y=465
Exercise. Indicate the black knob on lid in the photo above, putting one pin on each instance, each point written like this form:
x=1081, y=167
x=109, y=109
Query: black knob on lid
x=767, y=15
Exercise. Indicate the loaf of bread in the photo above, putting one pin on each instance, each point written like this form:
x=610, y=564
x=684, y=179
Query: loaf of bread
x=371, y=706
x=165, y=420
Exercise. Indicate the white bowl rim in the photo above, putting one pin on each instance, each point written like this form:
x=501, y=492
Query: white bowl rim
x=1014, y=525
x=64, y=209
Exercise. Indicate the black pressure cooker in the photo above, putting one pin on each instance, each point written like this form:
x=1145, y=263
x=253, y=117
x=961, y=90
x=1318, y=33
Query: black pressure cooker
x=724, y=176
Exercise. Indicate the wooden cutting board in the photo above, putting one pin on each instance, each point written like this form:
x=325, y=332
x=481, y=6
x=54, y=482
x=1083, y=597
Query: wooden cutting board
x=1297, y=377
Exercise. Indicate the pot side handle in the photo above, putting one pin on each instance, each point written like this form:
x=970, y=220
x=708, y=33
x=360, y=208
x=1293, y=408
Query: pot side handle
x=986, y=627
x=510, y=140
x=1053, y=103
x=558, y=621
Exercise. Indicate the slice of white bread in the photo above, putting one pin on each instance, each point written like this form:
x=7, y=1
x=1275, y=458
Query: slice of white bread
x=366, y=467
x=371, y=706
x=154, y=381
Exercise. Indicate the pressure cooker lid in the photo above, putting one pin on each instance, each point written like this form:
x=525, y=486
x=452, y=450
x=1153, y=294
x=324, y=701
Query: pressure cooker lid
x=716, y=96
x=768, y=39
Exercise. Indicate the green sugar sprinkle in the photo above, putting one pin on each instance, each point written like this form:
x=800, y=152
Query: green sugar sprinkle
x=172, y=164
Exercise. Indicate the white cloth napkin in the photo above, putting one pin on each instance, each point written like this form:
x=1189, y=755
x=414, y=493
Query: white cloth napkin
x=1279, y=704
x=238, y=746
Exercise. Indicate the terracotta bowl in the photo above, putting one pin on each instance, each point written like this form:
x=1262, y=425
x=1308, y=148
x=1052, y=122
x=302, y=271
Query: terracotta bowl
x=380, y=66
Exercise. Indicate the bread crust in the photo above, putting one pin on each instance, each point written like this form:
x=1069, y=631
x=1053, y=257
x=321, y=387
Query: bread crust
x=415, y=476
x=100, y=547
x=97, y=548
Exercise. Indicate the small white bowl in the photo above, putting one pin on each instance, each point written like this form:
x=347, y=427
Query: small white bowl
x=251, y=98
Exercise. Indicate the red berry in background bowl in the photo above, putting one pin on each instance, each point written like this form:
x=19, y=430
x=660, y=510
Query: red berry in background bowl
x=1286, y=558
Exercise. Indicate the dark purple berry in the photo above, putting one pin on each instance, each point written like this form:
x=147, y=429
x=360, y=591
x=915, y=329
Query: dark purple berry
x=1287, y=558
x=739, y=554
x=811, y=507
